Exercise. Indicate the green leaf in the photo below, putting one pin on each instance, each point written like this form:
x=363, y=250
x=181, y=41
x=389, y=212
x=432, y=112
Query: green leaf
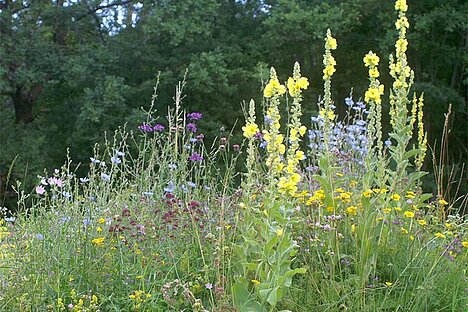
x=411, y=153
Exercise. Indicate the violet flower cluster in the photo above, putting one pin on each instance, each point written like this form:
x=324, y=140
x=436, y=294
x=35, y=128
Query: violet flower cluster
x=348, y=139
x=147, y=128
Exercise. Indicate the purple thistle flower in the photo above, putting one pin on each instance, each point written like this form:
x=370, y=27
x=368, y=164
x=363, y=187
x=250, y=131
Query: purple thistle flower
x=145, y=128
x=194, y=116
x=192, y=127
x=195, y=157
x=158, y=128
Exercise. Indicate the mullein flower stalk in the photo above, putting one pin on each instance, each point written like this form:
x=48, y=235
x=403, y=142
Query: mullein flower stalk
x=271, y=134
x=422, y=135
x=250, y=131
x=373, y=99
x=329, y=69
x=401, y=119
x=288, y=182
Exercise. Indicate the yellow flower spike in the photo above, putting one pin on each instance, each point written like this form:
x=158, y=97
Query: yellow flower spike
x=330, y=42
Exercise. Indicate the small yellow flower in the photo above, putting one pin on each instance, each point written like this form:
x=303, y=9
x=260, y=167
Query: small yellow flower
x=422, y=222
x=400, y=5
x=353, y=228
x=404, y=231
x=465, y=244
x=439, y=235
x=367, y=193
x=98, y=241
x=397, y=209
x=371, y=59
x=352, y=210
x=442, y=202
x=410, y=195
x=409, y=214
x=388, y=284
x=250, y=130
x=279, y=232
x=102, y=220
x=374, y=72
x=387, y=210
x=395, y=197
x=99, y=229
x=256, y=282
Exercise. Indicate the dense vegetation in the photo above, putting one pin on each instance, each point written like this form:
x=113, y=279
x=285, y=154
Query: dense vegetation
x=331, y=216
x=70, y=70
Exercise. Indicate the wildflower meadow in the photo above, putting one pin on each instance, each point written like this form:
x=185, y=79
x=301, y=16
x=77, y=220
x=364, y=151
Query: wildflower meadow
x=324, y=214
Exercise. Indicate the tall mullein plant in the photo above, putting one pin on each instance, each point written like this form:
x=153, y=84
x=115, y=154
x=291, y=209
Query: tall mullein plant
x=401, y=119
x=289, y=181
x=374, y=162
x=265, y=250
x=329, y=64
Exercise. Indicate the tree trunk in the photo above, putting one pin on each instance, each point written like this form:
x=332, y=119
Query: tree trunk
x=23, y=102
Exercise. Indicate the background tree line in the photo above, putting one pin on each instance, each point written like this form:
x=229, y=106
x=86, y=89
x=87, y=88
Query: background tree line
x=72, y=69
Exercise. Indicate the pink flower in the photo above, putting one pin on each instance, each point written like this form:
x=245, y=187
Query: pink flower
x=40, y=189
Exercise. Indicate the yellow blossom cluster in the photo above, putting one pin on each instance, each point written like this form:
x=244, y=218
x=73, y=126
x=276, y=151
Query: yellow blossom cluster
x=318, y=196
x=273, y=87
x=296, y=85
x=400, y=5
x=374, y=94
x=329, y=69
x=139, y=297
x=250, y=130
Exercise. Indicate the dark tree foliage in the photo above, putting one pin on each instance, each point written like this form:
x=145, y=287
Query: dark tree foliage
x=70, y=70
